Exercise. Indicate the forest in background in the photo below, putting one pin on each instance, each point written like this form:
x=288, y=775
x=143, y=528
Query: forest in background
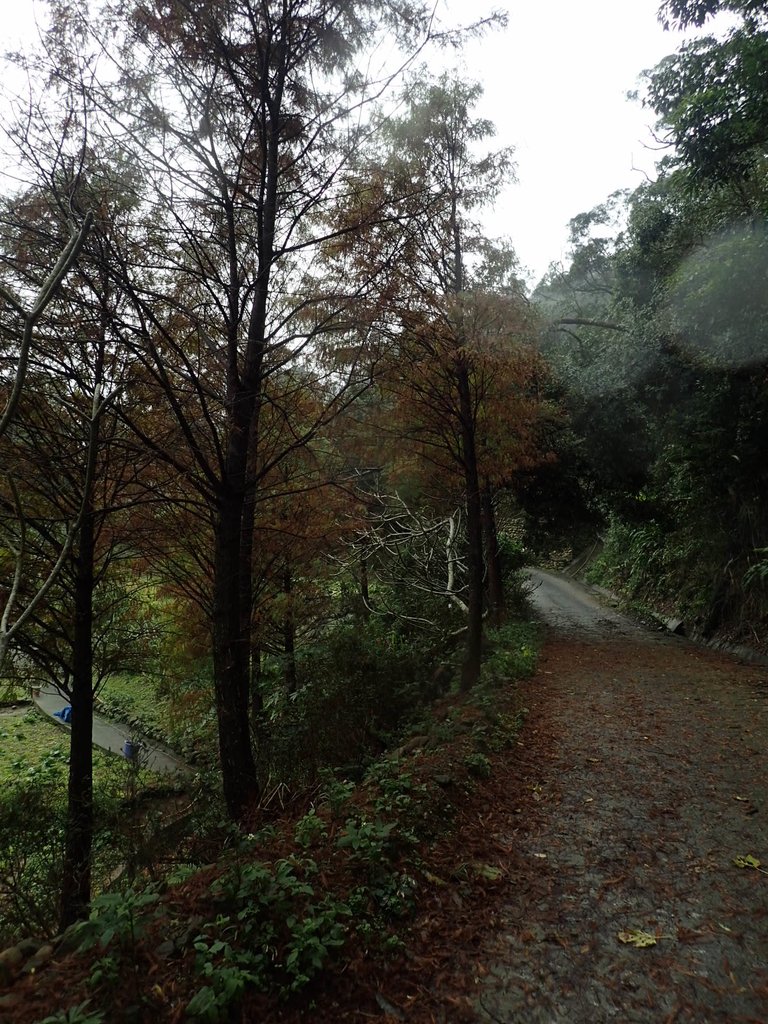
x=281, y=425
x=661, y=348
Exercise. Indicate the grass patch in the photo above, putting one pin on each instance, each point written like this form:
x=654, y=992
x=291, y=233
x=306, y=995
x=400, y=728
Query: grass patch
x=135, y=700
x=12, y=693
x=30, y=742
x=512, y=652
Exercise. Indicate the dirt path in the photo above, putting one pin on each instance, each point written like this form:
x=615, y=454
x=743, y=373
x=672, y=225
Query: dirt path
x=649, y=778
x=570, y=609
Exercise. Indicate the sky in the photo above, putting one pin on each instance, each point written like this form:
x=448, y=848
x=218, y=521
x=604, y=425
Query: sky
x=555, y=85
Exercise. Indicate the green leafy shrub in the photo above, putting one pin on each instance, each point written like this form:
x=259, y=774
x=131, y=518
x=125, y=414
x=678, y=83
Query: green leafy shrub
x=32, y=817
x=666, y=567
x=334, y=791
x=367, y=841
x=79, y=1014
x=513, y=554
x=478, y=765
x=309, y=830
x=269, y=931
x=512, y=652
x=119, y=917
x=397, y=791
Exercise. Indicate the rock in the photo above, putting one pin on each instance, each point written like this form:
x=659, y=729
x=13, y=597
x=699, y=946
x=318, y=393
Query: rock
x=676, y=626
x=411, y=745
x=11, y=960
x=12, y=957
x=166, y=949
x=29, y=946
x=69, y=941
x=463, y=726
x=190, y=933
x=41, y=957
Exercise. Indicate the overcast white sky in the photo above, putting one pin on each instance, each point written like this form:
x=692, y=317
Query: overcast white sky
x=555, y=85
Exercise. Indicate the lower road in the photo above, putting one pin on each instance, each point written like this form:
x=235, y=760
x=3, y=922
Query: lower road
x=112, y=736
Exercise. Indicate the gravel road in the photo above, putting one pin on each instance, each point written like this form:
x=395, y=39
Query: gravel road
x=571, y=609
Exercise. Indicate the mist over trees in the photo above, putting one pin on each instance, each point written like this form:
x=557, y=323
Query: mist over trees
x=666, y=370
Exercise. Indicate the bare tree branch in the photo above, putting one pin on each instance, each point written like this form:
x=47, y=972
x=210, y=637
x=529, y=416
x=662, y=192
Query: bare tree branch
x=30, y=317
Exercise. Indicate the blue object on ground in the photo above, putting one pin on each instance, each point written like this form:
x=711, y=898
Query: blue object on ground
x=65, y=714
x=130, y=750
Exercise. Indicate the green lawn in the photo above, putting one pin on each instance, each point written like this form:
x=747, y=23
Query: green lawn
x=12, y=693
x=28, y=740
x=31, y=741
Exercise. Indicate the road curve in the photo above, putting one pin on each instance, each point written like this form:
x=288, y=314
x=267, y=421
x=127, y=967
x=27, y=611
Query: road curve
x=571, y=609
x=111, y=736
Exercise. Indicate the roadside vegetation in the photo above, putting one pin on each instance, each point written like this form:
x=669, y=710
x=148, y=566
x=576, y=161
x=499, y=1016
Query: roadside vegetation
x=341, y=869
x=34, y=761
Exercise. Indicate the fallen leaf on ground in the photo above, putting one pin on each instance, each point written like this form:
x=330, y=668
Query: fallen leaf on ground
x=434, y=878
x=638, y=939
x=749, y=862
x=488, y=871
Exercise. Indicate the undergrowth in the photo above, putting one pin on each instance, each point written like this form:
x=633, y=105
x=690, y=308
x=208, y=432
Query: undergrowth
x=692, y=570
x=32, y=823
x=283, y=903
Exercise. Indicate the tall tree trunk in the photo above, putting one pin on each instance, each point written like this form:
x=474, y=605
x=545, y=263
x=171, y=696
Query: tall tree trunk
x=470, y=670
x=257, y=700
x=76, y=873
x=493, y=570
x=289, y=631
x=231, y=660
x=247, y=538
x=232, y=577
x=232, y=582
x=258, y=722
